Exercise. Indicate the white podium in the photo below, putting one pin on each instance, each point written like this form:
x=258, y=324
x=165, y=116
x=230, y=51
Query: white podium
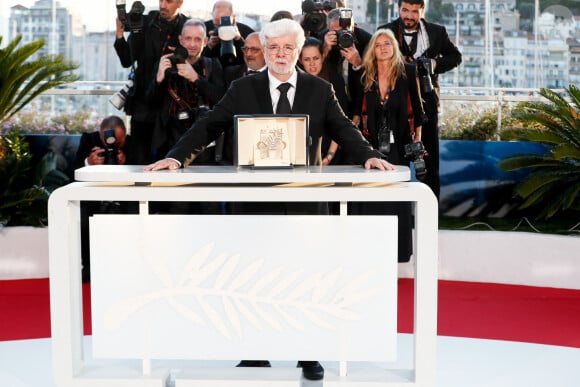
x=168, y=288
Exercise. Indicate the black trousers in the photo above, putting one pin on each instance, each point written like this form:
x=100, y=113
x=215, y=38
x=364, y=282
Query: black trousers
x=430, y=138
x=141, y=136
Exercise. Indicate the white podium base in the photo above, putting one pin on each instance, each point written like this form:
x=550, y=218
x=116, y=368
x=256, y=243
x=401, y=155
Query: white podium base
x=120, y=376
x=239, y=377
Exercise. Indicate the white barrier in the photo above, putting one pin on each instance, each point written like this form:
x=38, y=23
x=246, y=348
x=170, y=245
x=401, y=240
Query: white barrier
x=165, y=287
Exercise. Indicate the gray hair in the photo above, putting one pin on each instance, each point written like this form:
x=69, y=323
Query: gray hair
x=283, y=27
x=194, y=23
x=334, y=14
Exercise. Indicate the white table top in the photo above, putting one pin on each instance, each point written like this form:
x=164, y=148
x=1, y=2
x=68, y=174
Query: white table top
x=241, y=175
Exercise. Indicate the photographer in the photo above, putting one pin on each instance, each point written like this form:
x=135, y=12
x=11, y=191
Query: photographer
x=151, y=36
x=185, y=87
x=110, y=145
x=226, y=36
x=344, y=45
x=428, y=46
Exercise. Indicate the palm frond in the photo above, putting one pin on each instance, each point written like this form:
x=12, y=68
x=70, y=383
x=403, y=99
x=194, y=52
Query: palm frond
x=514, y=163
x=553, y=183
x=23, y=79
x=566, y=151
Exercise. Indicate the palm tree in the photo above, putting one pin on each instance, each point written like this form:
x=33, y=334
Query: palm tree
x=553, y=184
x=23, y=79
x=24, y=189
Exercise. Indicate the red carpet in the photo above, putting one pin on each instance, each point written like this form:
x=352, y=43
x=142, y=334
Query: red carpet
x=466, y=309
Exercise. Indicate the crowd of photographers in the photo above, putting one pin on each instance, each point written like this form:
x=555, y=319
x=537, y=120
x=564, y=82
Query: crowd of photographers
x=179, y=69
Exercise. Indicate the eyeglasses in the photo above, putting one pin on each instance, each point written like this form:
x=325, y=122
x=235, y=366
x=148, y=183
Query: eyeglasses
x=286, y=49
x=252, y=50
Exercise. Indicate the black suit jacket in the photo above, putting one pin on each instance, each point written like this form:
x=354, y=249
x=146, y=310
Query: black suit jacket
x=353, y=90
x=146, y=48
x=231, y=73
x=441, y=48
x=251, y=95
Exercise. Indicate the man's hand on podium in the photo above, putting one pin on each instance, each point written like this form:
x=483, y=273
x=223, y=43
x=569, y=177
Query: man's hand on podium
x=162, y=164
x=381, y=164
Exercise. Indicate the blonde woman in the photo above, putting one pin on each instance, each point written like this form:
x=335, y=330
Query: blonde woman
x=388, y=90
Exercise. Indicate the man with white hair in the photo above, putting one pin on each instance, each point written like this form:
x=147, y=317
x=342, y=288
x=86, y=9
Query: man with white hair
x=283, y=90
x=260, y=94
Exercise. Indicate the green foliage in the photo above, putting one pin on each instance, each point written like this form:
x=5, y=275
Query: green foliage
x=24, y=189
x=468, y=121
x=553, y=184
x=485, y=128
x=22, y=79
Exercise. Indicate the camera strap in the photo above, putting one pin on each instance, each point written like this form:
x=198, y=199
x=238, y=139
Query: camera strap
x=206, y=64
x=178, y=100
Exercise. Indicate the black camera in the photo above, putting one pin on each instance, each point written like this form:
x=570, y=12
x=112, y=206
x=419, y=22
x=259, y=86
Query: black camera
x=178, y=57
x=415, y=151
x=314, y=17
x=227, y=32
x=109, y=139
x=384, y=139
x=424, y=71
x=134, y=20
x=344, y=37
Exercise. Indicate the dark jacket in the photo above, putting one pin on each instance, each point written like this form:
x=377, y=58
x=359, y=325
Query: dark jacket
x=90, y=140
x=146, y=47
x=353, y=91
x=251, y=95
x=200, y=95
x=441, y=48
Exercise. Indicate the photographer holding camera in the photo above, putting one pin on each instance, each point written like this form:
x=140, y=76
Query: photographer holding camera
x=226, y=36
x=150, y=37
x=109, y=146
x=344, y=45
x=185, y=87
x=427, y=45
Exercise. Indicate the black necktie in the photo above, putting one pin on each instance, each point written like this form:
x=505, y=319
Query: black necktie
x=283, y=106
x=412, y=46
x=249, y=72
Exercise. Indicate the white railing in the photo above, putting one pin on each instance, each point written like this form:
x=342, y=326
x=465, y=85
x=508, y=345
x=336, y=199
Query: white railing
x=454, y=100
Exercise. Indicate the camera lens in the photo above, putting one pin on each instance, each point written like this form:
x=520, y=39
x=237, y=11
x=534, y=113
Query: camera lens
x=345, y=39
x=426, y=84
x=314, y=22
